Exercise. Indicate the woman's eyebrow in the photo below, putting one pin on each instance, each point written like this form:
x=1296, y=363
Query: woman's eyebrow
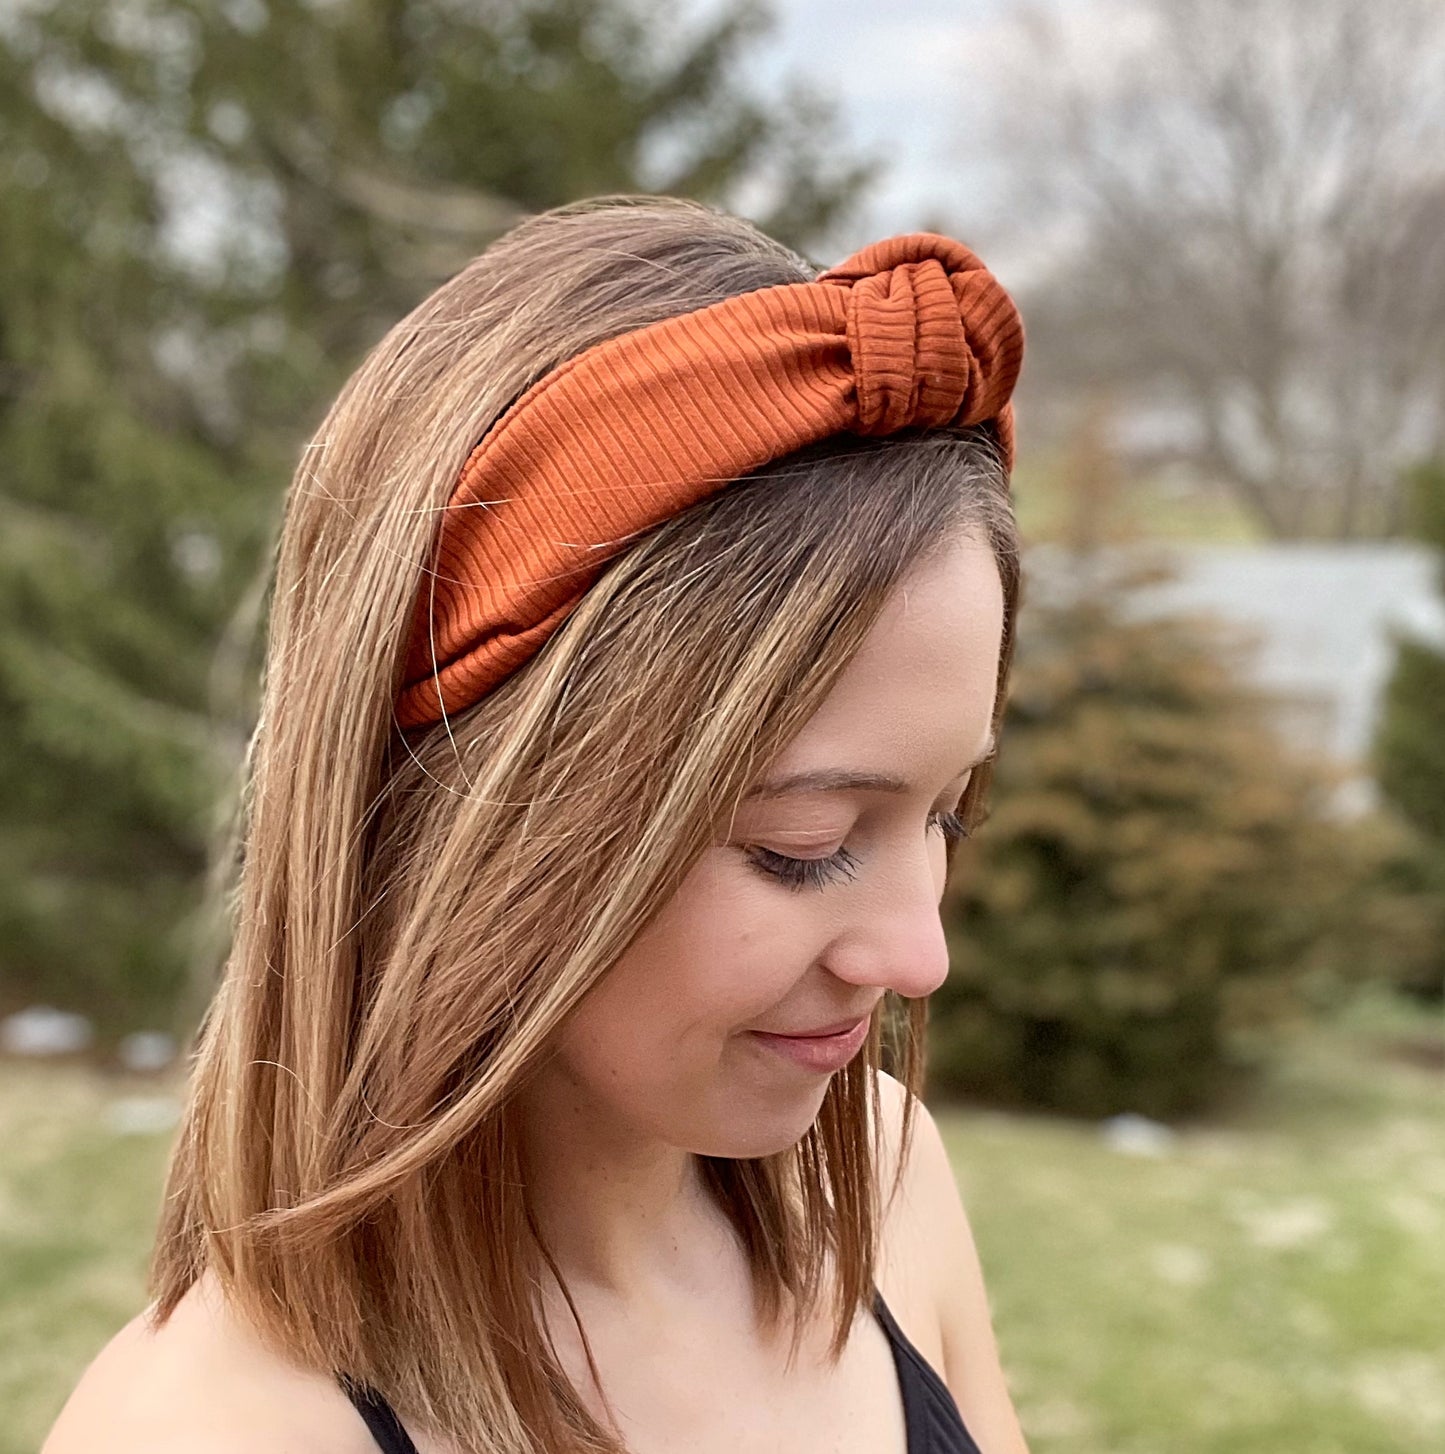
x=840, y=780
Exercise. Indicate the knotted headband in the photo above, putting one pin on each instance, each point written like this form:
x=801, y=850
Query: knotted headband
x=909, y=332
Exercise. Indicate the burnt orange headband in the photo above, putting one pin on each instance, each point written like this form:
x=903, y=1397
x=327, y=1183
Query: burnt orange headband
x=910, y=332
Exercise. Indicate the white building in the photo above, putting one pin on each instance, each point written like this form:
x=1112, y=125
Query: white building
x=1325, y=617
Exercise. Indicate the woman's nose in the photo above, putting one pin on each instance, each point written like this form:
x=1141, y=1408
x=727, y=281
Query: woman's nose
x=892, y=936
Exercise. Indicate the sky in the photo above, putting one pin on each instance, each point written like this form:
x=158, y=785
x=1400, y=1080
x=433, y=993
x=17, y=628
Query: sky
x=894, y=71
x=902, y=75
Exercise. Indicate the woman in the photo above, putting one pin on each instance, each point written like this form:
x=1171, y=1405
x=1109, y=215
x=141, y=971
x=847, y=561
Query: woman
x=640, y=631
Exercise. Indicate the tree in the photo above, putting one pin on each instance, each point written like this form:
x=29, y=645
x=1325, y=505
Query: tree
x=1409, y=746
x=207, y=213
x=1244, y=202
x=361, y=151
x=1161, y=876
x=107, y=763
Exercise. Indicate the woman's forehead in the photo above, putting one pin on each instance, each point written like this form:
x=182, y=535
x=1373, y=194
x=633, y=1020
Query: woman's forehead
x=921, y=685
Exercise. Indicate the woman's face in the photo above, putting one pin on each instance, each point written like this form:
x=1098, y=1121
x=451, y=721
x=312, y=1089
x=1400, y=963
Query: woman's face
x=667, y=1044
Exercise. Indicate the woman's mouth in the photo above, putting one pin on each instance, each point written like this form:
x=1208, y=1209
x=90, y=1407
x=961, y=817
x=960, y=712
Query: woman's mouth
x=823, y=1054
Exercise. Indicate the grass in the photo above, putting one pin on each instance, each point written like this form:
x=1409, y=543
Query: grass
x=1270, y=1283
x=77, y=1204
x=1046, y=495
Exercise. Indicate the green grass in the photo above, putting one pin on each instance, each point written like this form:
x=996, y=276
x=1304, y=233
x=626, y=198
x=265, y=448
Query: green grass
x=1272, y=1283
x=1148, y=508
x=1268, y=1286
x=77, y=1204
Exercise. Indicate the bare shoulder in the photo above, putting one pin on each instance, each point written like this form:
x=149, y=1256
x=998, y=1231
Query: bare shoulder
x=917, y=1208
x=201, y=1382
x=930, y=1273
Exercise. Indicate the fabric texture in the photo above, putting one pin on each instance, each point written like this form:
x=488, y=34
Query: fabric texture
x=912, y=332
x=934, y=1423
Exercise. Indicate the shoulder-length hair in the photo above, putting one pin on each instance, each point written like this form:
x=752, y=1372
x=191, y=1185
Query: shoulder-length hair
x=413, y=916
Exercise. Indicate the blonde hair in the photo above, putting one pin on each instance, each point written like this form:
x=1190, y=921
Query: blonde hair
x=415, y=914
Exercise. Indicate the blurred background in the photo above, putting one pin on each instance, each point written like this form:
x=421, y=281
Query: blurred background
x=1190, y=1059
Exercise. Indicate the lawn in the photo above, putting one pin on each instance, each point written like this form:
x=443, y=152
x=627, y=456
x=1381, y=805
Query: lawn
x=1271, y=1283
x=1275, y=1285
x=1047, y=497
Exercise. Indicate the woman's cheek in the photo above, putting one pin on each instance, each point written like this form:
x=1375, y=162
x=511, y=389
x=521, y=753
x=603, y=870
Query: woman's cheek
x=733, y=948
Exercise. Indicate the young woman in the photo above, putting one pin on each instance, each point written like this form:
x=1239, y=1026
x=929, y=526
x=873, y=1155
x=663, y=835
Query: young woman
x=639, y=638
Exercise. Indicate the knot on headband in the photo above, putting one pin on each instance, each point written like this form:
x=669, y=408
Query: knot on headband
x=909, y=332
x=933, y=337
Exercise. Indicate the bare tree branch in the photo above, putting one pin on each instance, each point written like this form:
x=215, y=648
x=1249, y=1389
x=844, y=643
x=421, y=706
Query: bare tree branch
x=1255, y=196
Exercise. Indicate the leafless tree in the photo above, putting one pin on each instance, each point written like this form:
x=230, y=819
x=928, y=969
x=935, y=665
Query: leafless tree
x=1243, y=203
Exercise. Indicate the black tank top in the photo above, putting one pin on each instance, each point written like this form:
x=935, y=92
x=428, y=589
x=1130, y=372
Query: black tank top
x=934, y=1423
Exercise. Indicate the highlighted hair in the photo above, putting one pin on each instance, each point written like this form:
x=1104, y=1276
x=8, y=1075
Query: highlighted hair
x=415, y=915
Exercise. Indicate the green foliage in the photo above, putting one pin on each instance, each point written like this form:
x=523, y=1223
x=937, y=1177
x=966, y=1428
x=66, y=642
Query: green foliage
x=1160, y=874
x=106, y=759
x=1409, y=747
x=207, y=213
x=1411, y=740
x=1425, y=496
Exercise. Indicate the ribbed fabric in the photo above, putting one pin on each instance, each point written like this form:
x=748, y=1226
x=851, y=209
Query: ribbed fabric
x=930, y=1414
x=910, y=332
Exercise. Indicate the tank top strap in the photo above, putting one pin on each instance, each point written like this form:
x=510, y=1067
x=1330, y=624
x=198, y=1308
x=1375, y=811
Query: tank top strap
x=935, y=1425
x=380, y=1417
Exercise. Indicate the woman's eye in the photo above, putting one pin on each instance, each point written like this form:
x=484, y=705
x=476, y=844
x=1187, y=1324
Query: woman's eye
x=804, y=873
x=817, y=873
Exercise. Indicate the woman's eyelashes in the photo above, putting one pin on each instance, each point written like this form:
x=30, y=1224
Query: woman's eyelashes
x=817, y=873
x=950, y=825
x=804, y=873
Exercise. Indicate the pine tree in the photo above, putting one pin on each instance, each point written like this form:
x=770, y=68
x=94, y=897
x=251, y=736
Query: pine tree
x=208, y=211
x=1409, y=747
x=106, y=760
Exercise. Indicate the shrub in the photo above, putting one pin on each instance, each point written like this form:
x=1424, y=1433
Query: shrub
x=1162, y=876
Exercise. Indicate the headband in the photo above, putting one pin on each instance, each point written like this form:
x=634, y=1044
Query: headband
x=909, y=332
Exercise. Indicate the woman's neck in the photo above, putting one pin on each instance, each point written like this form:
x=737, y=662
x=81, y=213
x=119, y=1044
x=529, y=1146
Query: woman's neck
x=625, y=1215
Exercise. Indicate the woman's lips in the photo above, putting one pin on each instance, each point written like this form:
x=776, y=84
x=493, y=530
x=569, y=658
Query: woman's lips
x=822, y=1053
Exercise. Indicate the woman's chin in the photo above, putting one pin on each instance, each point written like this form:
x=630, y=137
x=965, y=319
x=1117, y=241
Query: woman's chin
x=749, y=1129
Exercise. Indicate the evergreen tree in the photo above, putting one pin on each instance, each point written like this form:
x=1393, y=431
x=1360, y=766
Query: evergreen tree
x=111, y=596
x=207, y=212
x=1409, y=746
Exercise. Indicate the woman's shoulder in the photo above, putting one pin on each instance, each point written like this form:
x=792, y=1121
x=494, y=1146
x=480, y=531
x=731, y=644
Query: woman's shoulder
x=203, y=1382
x=931, y=1277
x=908, y=1243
